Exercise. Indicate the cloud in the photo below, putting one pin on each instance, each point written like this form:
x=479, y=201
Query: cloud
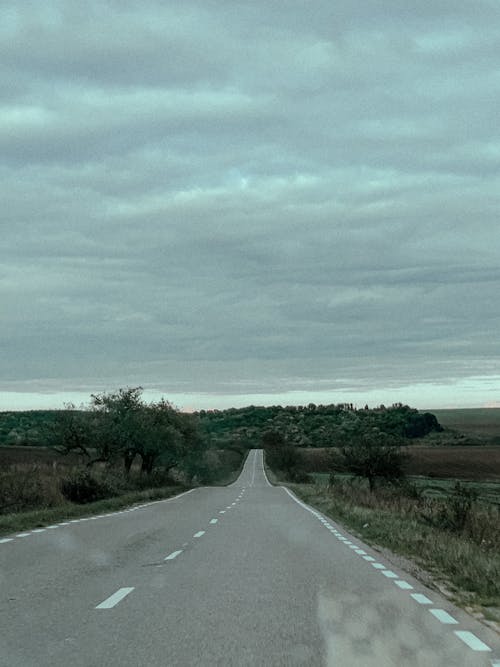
x=233, y=199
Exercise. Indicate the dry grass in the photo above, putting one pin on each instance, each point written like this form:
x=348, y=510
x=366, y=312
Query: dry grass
x=467, y=560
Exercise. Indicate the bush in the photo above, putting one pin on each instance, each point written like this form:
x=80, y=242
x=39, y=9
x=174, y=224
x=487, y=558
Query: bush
x=84, y=487
x=299, y=476
x=23, y=488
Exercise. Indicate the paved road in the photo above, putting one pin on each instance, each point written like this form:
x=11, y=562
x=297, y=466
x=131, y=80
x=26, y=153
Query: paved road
x=240, y=575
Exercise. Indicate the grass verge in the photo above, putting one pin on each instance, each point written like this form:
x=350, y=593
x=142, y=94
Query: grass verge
x=469, y=573
x=10, y=523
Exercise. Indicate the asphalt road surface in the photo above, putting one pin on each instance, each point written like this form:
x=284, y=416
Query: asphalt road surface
x=238, y=575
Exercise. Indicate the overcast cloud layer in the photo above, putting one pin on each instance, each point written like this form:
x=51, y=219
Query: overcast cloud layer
x=245, y=199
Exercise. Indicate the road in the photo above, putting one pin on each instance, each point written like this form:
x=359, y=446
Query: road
x=237, y=575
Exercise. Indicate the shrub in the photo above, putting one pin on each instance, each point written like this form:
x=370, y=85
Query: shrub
x=84, y=487
x=23, y=488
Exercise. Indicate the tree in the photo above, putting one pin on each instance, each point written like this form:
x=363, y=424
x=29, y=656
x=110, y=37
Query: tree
x=118, y=425
x=162, y=438
x=279, y=453
x=70, y=431
x=375, y=456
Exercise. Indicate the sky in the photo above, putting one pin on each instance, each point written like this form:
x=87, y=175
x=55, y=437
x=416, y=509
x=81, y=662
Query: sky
x=250, y=202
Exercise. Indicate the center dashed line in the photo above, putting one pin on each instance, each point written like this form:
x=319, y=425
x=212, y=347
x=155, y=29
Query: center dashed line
x=199, y=533
x=114, y=599
x=213, y=521
x=173, y=555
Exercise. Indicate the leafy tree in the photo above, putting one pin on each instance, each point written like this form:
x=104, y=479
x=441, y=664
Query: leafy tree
x=280, y=455
x=375, y=456
x=118, y=425
x=70, y=431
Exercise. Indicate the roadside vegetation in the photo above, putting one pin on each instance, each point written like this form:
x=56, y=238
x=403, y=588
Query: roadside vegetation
x=117, y=450
x=450, y=529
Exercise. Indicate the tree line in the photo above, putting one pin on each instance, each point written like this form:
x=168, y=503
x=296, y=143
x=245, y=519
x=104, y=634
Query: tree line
x=120, y=427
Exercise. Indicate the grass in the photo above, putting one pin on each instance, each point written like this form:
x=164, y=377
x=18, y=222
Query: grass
x=470, y=570
x=32, y=485
x=430, y=487
x=16, y=521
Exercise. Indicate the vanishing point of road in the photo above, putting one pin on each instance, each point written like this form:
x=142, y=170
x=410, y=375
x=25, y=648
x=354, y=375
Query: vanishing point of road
x=239, y=575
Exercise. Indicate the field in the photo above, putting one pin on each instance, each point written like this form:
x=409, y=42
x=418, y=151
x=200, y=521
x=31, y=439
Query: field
x=458, y=462
x=480, y=422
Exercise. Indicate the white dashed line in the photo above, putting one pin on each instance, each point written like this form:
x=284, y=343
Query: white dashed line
x=378, y=566
x=38, y=530
x=473, y=642
x=23, y=535
x=213, y=520
x=114, y=599
x=443, y=616
x=390, y=574
x=228, y=507
x=360, y=552
x=421, y=599
x=404, y=585
x=173, y=555
x=222, y=512
x=6, y=539
x=199, y=533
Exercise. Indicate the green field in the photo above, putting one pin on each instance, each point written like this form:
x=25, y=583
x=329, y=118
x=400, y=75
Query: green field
x=481, y=422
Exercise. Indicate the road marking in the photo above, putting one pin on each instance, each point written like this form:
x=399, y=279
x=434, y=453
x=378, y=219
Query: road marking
x=169, y=500
x=6, y=539
x=353, y=546
x=199, y=533
x=378, y=566
x=443, y=616
x=64, y=523
x=369, y=558
x=173, y=555
x=421, y=599
x=360, y=552
x=473, y=642
x=233, y=504
x=390, y=574
x=114, y=599
x=228, y=507
x=52, y=527
x=404, y=585
x=38, y=530
x=222, y=512
x=213, y=520
x=23, y=535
